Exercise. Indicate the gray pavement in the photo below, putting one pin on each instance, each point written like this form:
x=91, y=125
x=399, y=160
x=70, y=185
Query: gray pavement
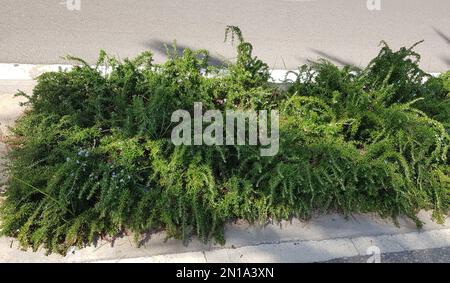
x=285, y=33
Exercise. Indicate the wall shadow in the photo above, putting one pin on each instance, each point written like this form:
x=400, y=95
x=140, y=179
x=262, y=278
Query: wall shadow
x=446, y=38
x=159, y=47
x=333, y=58
x=442, y=35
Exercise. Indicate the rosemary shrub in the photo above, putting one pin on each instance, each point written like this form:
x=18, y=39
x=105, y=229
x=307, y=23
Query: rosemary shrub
x=92, y=155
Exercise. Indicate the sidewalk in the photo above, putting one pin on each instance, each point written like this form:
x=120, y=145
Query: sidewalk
x=323, y=238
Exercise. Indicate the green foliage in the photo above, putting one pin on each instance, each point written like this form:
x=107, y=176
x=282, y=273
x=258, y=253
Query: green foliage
x=92, y=156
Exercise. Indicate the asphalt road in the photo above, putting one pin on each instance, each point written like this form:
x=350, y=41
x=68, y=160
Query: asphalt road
x=285, y=33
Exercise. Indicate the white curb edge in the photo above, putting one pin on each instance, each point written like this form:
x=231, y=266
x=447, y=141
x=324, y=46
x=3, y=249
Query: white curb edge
x=26, y=71
x=12, y=71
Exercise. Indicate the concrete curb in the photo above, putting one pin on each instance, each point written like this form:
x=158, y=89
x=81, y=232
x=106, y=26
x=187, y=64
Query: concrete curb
x=307, y=251
x=19, y=72
x=323, y=238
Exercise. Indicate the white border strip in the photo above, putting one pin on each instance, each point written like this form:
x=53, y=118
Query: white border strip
x=32, y=71
x=27, y=71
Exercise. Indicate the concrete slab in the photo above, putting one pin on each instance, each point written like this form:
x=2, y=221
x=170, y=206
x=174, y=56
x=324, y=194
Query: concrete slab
x=196, y=257
x=424, y=240
x=10, y=252
x=313, y=251
x=307, y=251
x=384, y=243
x=404, y=242
x=12, y=86
x=10, y=108
x=321, y=226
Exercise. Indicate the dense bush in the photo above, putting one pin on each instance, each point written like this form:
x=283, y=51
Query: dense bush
x=92, y=155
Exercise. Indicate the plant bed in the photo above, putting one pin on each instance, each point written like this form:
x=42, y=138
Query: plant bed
x=93, y=157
